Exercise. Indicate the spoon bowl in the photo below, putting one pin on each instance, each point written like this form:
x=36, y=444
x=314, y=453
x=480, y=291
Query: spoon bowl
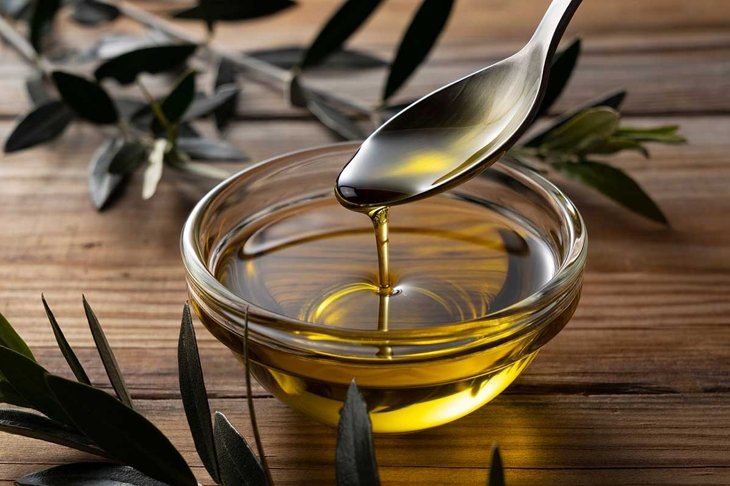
x=457, y=131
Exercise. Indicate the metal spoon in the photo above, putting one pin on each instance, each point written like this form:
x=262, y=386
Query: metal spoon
x=457, y=131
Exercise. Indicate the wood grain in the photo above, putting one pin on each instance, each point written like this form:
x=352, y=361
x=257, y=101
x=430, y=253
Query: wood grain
x=635, y=390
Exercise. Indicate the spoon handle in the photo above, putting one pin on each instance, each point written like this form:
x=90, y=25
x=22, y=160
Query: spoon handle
x=552, y=26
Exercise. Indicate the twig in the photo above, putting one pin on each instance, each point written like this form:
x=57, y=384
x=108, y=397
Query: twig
x=20, y=44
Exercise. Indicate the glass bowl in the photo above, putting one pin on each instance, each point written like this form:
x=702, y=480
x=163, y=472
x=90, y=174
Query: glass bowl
x=431, y=375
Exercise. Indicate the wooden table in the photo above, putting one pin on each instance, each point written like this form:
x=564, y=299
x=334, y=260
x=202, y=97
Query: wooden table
x=635, y=390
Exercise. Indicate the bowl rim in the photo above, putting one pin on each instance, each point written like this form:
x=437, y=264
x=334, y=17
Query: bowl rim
x=504, y=323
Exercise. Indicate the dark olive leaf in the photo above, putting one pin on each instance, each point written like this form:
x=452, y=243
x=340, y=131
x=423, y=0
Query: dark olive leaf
x=209, y=149
x=237, y=462
x=8, y=394
x=41, y=21
x=102, y=184
x=204, y=106
x=212, y=10
x=560, y=71
x=86, y=98
x=611, y=100
x=664, y=134
x=354, y=457
x=417, y=42
x=130, y=155
x=88, y=474
x=348, y=19
x=328, y=115
x=288, y=57
x=126, y=435
x=195, y=396
x=615, y=184
x=65, y=347
x=226, y=76
x=28, y=378
x=613, y=145
x=44, y=123
x=12, y=340
x=112, y=45
x=107, y=356
x=26, y=424
x=580, y=133
x=91, y=12
x=153, y=60
x=176, y=102
x=15, y=9
x=127, y=107
x=35, y=86
x=496, y=471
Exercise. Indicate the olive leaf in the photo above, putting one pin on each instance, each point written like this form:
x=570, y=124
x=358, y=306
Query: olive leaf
x=44, y=123
x=27, y=424
x=345, y=22
x=153, y=172
x=8, y=394
x=153, y=60
x=354, y=457
x=664, y=134
x=289, y=57
x=209, y=149
x=12, y=340
x=103, y=184
x=107, y=356
x=421, y=35
x=223, y=10
x=91, y=12
x=204, y=106
x=88, y=474
x=615, y=184
x=195, y=396
x=226, y=76
x=28, y=378
x=328, y=115
x=41, y=21
x=15, y=9
x=615, y=144
x=496, y=471
x=611, y=100
x=176, y=102
x=237, y=462
x=65, y=347
x=561, y=70
x=125, y=434
x=130, y=155
x=86, y=98
x=581, y=132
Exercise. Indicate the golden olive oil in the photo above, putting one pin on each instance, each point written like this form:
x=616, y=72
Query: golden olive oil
x=443, y=260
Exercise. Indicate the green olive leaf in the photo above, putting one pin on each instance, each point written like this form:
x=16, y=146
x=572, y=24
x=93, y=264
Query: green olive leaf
x=207, y=105
x=496, y=470
x=26, y=424
x=237, y=462
x=91, y=12
x=209, y=149
x=351, y=15
x=125, y=434
x=665, y=134
x=8, y=394
x=585, y=129
x=107, y=356
x=103, y=185
x=153, y=60
x=614, y=184
x=65, y=347
x=354, y=457
x=613, y=145
x=12, y=340
x=289, y=57
x=561, y=70
x=328, y=115
x=86, y=98
x=44, y=123
x=223, y=10
x=417, y=42
x=195, y=396
x=88, y=474
x=176, y=103
x=611, y=100
x=28, y=378
x=226, y=111
x=130, y=155
x=41, y=21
